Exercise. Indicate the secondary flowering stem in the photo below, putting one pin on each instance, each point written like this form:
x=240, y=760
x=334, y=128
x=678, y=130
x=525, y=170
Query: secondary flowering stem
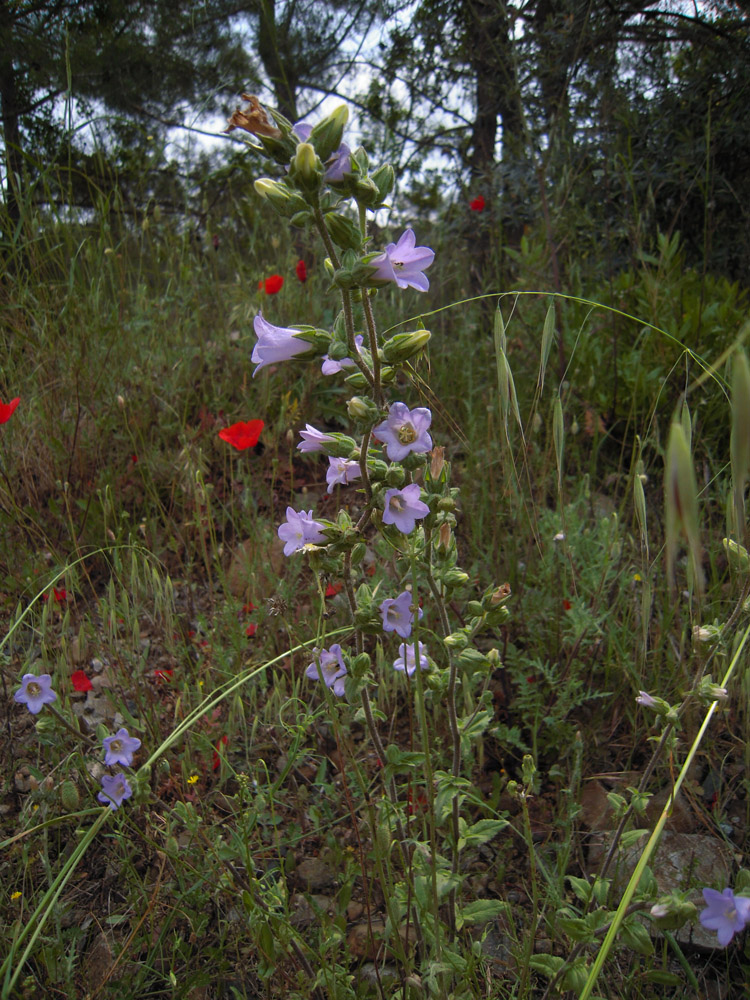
x=373, y=334
x=346, y=301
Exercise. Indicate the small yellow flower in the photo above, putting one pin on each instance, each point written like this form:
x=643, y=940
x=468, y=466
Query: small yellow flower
x=192, y=779
x=637, y=577
x=200, y=684
x=15, y=895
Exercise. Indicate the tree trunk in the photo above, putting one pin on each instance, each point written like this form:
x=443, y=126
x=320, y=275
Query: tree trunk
x=9, y=113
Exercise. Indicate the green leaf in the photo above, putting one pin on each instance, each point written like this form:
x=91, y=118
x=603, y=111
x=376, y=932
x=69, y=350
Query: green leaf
x=635, y=936
x=480, y=832
x=548, y=965
x=481, y=911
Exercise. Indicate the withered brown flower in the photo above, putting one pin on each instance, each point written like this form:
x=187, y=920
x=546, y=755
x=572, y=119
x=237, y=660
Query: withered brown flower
x=253, y=118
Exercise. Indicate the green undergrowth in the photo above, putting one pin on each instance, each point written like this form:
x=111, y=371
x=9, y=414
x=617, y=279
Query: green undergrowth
x=138, y=548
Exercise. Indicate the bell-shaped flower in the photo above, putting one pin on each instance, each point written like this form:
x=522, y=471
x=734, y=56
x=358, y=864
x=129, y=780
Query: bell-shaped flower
x=403, y=507
x=404, y=263
x=275, y=343
x=329, y=665
x=35, y=692
x=119, y=749
x=398, y=615
x=404, y=431
x=300, y=531
x=341, y=471
x=115, y=789
x=330, y=367
x=725, y=913
x=313, y=440
x=406, y=661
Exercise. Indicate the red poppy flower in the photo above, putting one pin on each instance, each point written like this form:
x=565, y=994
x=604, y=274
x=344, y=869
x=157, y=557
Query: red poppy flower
x=273, y=284
x=80, y=681
x=251, y=630
x=301, y=270
x=566, y=605
x=164, y=675
x=60, y=595
x=477, y=204
x=247, y=608
x=217, y=759
x=242, y=435
x=334, y=588
x=7, y=409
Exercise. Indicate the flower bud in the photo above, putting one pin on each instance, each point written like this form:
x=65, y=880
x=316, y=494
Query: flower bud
x=326, y=136
x=671, y=912
x=306, y=170
x=358, y=553
x=362, y=409
x=445, y=536
x=377, y=470
x=403, y=346
x=366, y=192
x=361, y=664
x=500, y=594
x=344, y=232
x=455, y=577
x=284, y=201
x=384, y=178
x=395, y=476
x=456, y=640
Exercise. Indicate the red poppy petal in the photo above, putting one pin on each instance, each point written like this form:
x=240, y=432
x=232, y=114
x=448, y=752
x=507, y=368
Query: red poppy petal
x=301, y=270
x=80, y=681
x=8, y=409
x=477, y=205
x=273, y=284
x=242, y=435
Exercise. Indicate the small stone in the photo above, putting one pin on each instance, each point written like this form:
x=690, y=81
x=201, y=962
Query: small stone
x=354, y=910
x=361, y=943
x=313, y=873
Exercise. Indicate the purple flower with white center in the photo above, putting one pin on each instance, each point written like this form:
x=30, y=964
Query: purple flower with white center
x=404, y=263
x=329, y=664
x=119, y=749
x=341, y=471
x=338, y=164
x=35, y=692
x=406, y=661
x=404, y=431
x=115, y=789
x=645, y=699
x=313, y=440
x=275, y=343
x=403, y=507
x=300, y=531
x=725, y=913
x=398, y=614
x=330, y=367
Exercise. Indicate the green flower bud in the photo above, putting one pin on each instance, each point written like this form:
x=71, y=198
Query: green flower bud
x=384, y=178
x=362, y=410
x=377, y=470
x=361, y=664
x=671, y=912
x=395, y=476
x=447, y=504
x=403, y=346
x=327, y=135
x=367, y=192
x=454, y=577
x=306, y=170
x=344, y=232
x=356, y=380
x=284, y=201
x=358, y=553
x=456, y=640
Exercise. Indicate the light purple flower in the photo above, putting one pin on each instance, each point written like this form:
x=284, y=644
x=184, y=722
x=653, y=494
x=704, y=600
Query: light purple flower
x=341, y=471
x=398, y=615
x=338, y=164
x=275, y=343
x=725, y=913
x=403, y=262
x=330, y=367
x=313, y=440
x=300, y=531
x=404, y=431
x=35, y=692
x=403, y=507
x=406, y=661
x=119, y=749
x=115, y=789
x=645, y=699
x=332, y=668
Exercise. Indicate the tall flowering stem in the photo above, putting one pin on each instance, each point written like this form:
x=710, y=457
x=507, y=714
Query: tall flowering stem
x=373, y=333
